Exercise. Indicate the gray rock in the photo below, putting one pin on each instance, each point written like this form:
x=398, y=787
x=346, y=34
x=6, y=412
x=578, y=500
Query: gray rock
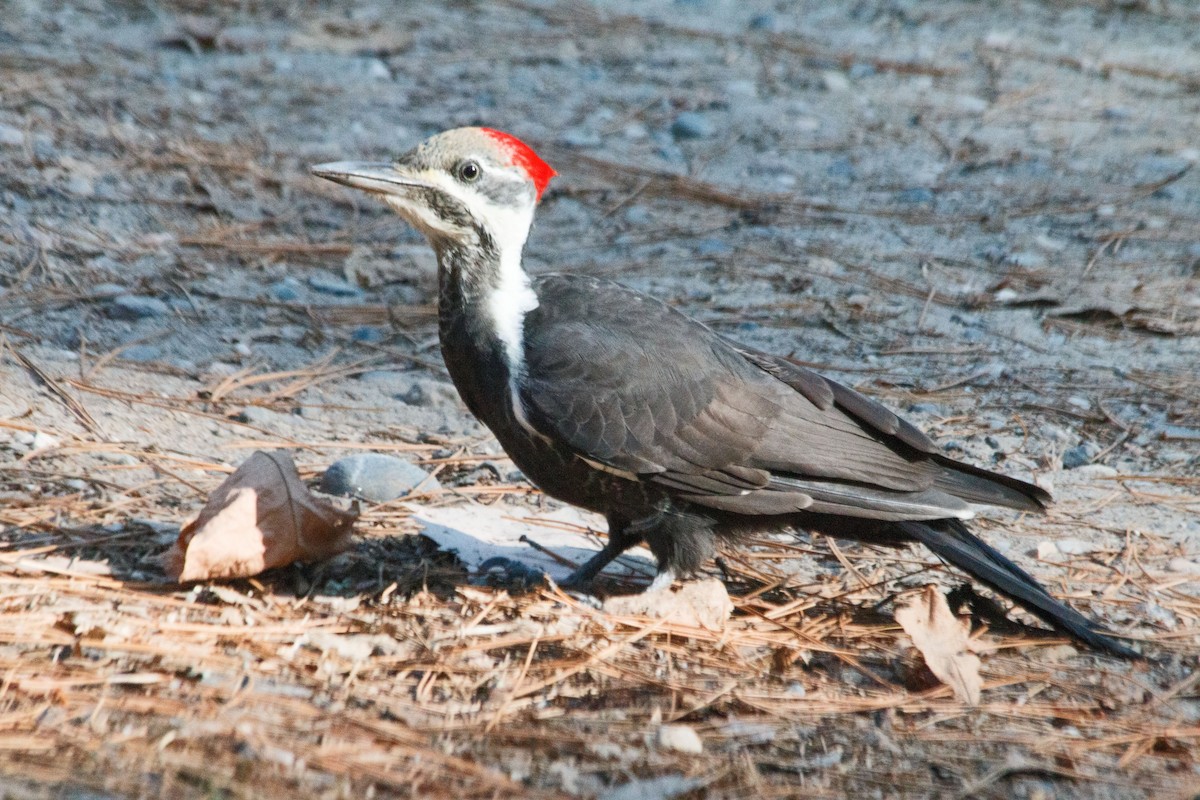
x=11, y=137
x=375, y=477
x=264, y=417
x=581, y=137
x=338, y=287
x=142, y=352
x=663, y=787
x=918, y=194
x=287, y=290
x=137, y=306
x=690, y=125
x=1079, y=455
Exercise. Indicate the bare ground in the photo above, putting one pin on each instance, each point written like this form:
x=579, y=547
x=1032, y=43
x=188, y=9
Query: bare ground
x=984, y=214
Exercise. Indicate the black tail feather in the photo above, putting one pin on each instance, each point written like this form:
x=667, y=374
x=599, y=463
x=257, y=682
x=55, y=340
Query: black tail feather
x=952, y=542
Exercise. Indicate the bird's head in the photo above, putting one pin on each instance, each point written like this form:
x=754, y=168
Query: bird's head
x=457, y=186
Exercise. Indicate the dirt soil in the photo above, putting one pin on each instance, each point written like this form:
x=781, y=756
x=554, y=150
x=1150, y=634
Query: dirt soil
x=986, y=215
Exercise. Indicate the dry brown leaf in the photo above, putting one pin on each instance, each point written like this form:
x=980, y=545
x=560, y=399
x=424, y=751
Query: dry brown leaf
x=943, y=640
x=262, y=516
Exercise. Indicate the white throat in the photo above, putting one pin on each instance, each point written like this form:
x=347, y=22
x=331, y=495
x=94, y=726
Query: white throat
x=513, y=296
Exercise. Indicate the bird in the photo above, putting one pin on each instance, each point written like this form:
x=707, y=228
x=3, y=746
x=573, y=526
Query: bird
x=613, y=401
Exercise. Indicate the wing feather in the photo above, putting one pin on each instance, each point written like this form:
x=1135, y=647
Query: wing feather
x=664, y=398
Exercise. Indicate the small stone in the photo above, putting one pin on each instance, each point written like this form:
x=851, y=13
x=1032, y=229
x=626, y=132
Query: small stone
x=581, y=137
x=42, y=440
x=1079, y=455
x=1095, y=471
x=925, y=408
x=917, y=194
x=136, y=306
x=861, y=69
x=142, y=352
x=338, y=287
x=712, y=247
x=263, y=417
x=638, y=215
x=1184, y=566
x=835, y=81
x=376, y=478
x=11, y=137
x=690, y=125
x=1027, y=259
x=287, y=290
x=1082, y=403
x=377, y=70
x=971, y=104
x=107, y=290
x=1057, y=654
x=663, y=787
x=764, y=22
x=680, y=738
x=368, y=334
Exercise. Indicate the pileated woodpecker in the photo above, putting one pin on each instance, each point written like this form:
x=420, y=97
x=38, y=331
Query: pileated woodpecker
x=609, y=399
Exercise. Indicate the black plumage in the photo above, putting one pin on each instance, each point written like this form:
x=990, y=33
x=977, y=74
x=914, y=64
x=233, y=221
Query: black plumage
x=611, y=400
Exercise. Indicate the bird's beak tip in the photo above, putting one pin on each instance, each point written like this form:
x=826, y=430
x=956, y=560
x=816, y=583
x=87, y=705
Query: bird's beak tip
x=380, y=178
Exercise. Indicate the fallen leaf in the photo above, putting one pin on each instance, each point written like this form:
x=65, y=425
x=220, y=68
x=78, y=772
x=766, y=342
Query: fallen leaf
x=943, y=640
x=262, y=516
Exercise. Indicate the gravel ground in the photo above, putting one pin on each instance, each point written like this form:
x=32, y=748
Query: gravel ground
x=985, y=214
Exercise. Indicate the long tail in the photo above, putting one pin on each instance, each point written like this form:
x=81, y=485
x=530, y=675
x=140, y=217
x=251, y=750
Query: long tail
x=952, y=542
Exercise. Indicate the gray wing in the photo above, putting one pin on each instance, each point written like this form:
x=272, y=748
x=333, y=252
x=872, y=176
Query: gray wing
x=636, y=387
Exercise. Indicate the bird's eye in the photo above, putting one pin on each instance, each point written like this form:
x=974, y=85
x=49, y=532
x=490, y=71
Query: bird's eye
x=469, y=172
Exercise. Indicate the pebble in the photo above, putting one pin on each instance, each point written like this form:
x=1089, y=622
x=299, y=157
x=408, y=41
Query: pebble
x=264, y=417
x=42, y=440
x=581, y=137
x=1179, y=564
x=764, y=22
x=12, y=137
x=1026, y=259
x=663, y=787
x=1095, y=471
x=1079, y=455
x=712, y=247
x=375, y=477
x=137, y=306
x=680, y=738
x=835, y=81
x=429, y=393
x=368, y=334
x=861, y=69
x=287, y=290
x=638, y=215
x=142, y=352
x=338, y=287
x=925, y=408
x=841, y=168
x=690, y=125
x=917, y=194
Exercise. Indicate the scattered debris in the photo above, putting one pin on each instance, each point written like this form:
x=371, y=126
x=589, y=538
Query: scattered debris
x=262, y=516
x=944, y=641
x=681, y=738
x=701, y=603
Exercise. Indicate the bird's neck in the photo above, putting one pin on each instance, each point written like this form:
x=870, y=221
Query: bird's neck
x=484, y=295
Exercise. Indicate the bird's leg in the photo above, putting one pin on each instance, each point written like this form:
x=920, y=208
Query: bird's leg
x=622, y=535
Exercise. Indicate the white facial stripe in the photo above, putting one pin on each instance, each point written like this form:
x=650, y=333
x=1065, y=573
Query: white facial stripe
x=513, y=297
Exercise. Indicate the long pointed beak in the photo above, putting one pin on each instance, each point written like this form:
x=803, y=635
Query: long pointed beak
x=375, y=177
